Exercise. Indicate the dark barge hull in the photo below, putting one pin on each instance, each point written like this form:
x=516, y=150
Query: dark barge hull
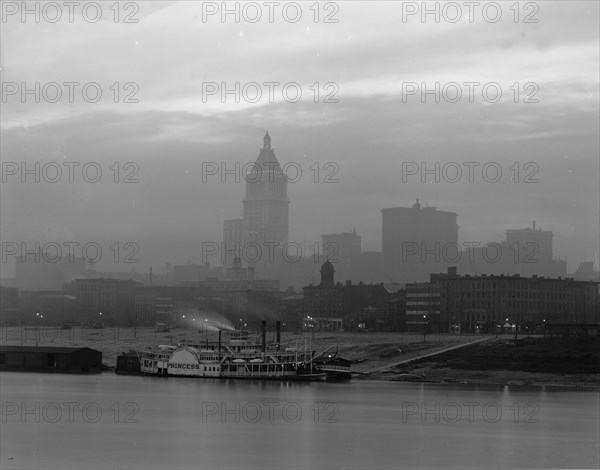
x=337, y=376
x=128, y=364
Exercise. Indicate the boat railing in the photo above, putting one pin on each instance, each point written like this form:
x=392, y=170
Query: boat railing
x=161, y=353
x=334, y=367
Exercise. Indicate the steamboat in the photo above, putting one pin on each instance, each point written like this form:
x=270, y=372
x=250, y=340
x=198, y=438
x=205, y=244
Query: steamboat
x=240, y=357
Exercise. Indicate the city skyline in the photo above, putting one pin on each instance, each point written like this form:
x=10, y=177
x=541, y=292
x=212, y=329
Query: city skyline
x=317, y=234
x=367, y=135
x=416, y=236
x=248, y=178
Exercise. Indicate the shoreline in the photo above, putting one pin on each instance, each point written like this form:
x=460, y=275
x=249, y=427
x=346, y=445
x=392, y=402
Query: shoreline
x=534, y=381
x=529, y=363
x=470, y=360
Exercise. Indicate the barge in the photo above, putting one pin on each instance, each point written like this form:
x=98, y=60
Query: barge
x=128, y=363
x=336, y=369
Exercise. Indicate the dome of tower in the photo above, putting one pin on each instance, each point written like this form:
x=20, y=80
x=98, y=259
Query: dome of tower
x=327, y=267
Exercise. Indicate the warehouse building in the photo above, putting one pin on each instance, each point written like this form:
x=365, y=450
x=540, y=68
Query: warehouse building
x=50, y=359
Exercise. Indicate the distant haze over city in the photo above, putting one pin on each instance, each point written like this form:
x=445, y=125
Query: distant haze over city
x=368, y=137
x=372, y=227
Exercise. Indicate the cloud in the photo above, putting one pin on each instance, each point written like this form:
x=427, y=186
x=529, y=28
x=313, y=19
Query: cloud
x=368, y=133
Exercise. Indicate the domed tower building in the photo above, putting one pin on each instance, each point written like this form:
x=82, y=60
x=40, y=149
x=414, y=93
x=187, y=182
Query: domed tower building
x=258, y=238
x=327, y=273
x=325, y=300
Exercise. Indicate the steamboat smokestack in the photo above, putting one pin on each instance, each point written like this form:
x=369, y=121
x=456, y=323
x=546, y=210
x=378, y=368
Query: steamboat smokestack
x=278, y=326
x=264, y=335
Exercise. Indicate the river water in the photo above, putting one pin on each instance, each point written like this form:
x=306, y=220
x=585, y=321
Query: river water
x=110, y=421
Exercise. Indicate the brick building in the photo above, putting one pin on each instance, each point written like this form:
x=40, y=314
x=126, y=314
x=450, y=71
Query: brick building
x=484, y=303
x=331, y=300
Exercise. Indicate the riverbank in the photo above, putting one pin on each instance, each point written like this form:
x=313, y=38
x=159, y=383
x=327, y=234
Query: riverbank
x=561, y=363
x=556, y=362
x=366, y=350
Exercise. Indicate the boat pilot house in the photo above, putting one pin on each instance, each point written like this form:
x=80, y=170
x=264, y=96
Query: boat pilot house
x=50, y=359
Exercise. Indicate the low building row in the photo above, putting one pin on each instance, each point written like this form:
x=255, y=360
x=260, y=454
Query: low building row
x=486, y=303
x=449, y=302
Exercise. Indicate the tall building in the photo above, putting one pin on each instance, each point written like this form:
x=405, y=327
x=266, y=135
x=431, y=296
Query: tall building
x=9, y=302
x=525, y=251
x=532, y=242
x=343, y=250
x=259, y=237
x=416, y=241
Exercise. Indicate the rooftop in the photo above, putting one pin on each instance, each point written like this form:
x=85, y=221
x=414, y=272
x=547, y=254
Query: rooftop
x=43, y=349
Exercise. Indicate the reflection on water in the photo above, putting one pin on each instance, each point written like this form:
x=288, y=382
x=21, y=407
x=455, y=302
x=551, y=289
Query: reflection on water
x=109, y=421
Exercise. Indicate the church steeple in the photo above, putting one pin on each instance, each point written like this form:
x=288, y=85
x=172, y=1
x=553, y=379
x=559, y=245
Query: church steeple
x=267, y=141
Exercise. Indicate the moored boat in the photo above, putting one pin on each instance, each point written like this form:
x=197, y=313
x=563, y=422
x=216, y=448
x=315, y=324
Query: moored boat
x=128, y=363
x=240, y=358
x=335, y=368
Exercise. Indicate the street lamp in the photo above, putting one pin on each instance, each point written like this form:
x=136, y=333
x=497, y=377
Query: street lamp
x=37, y=328
x=544, y=326
x=424, y=318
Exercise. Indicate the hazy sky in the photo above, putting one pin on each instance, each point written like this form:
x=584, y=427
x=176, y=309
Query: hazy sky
x=372, y=131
